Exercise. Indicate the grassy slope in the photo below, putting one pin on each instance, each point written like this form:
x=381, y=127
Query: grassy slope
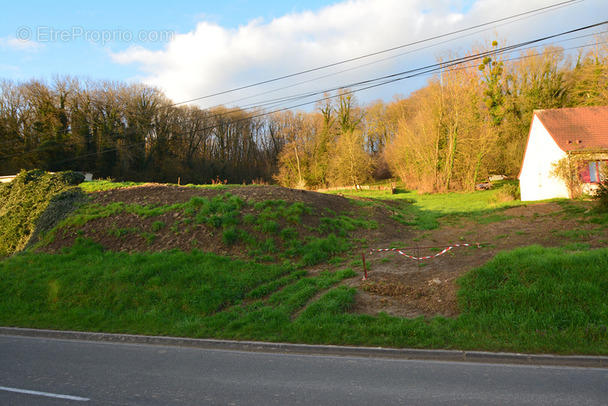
x=533, y=299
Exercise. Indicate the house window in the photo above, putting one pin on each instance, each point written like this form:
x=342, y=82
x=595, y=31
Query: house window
x=596, y=172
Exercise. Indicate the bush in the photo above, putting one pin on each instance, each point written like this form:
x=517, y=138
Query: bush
x=71, y=178
x=33, y=200
x=506, y=193
x=59, y=207
x=601, y=196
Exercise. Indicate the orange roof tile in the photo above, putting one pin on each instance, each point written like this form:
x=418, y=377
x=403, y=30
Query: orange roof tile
x=573, y=129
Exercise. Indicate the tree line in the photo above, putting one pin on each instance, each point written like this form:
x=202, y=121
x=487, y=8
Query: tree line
x=131, y=132
x=469, y=121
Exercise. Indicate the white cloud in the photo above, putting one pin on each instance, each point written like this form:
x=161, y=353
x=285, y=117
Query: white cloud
x=12, y=70
x=19, y=44
x=213, y=59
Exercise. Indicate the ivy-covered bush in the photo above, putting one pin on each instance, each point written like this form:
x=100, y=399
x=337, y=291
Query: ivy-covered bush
x=33, y=195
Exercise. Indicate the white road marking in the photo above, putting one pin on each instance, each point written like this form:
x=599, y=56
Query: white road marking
x=46, y=394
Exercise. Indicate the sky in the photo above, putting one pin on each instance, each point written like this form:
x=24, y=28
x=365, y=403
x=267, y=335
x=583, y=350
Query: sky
x=193, y=50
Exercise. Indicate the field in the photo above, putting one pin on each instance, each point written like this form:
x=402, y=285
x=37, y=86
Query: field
x=277, y=264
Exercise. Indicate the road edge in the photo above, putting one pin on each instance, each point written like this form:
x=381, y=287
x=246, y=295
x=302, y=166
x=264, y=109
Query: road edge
x=587, y=361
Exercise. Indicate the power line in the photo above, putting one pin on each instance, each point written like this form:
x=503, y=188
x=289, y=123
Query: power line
x=535, y=12
x=275, y=102
x=362, y=85
x=353, y=87
x=413, y=72
x=557, y=5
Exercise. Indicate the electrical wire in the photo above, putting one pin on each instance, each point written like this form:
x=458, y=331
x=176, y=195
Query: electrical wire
x=557, y=5
x=365, y=85
x=353, y=87
x=274, y=103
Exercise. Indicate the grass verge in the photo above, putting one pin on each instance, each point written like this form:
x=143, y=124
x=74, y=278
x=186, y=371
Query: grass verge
x=534, y=299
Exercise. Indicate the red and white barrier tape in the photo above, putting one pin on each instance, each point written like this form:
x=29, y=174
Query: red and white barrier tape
x=399, y=250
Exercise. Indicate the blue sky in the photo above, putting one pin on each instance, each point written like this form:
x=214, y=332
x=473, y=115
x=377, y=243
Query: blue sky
x=47, y=21
x=194, y=48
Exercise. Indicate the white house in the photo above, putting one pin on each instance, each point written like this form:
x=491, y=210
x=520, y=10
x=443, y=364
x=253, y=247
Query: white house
x=560, y=133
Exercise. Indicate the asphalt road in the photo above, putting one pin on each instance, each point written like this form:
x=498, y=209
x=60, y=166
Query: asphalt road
x=40, y=371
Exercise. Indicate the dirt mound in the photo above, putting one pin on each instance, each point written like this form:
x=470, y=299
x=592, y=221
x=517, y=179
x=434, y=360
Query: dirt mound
x=160, y=194
x=128, y=231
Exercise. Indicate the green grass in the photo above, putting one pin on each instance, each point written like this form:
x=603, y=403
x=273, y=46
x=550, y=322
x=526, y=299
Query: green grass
x=87, y=288
x=122, y=232
x=537, y=295
x=573, y=234
x=533, y=299
x=103, y=185
x=529, y=300
x=425, y=211
x=157, y=226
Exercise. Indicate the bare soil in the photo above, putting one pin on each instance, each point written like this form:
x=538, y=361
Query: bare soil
x=177, y=235
x=405, y=287
x=395, y=284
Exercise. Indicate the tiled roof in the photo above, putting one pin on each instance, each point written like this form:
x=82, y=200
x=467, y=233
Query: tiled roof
x=583, y=128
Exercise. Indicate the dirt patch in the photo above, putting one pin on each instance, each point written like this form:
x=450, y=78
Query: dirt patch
x=406, y=287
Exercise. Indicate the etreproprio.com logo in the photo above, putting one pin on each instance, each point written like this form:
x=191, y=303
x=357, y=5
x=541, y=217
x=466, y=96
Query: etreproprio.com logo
x=77, y=33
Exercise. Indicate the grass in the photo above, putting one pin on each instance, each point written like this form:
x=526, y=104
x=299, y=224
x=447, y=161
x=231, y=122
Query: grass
x=122, y=232
x=425, y=211
x=157, y=226
x=539, y=295
x=533, y=299
x=87, y=288
x=104, y=185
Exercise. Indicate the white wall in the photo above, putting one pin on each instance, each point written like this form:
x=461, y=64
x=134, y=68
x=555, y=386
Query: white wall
x=7, y=179
x=535, y=179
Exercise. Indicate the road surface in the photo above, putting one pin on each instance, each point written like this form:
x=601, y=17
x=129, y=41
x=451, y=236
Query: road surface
x=39, y=371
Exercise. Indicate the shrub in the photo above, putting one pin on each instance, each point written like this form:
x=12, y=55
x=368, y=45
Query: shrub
x=507, y=193
x=32, y=200
x=71, y=178
x=601, y=197
x=59, y=207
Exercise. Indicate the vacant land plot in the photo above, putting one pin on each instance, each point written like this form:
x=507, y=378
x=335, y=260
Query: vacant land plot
x=396, y=284
x=277, y=264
